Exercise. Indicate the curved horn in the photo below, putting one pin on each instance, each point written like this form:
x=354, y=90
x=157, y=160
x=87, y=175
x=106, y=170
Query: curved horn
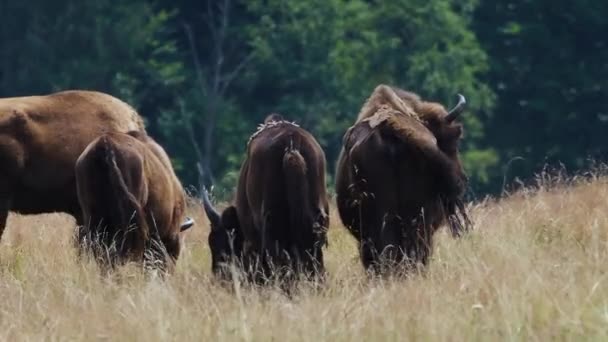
x=457, y=110
x=212, y=214
x=187, y=224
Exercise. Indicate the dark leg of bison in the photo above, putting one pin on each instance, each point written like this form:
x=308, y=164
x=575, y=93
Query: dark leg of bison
x=91, y=239
x=5, y=205
x=380, y=233
x=319, y=266
x=173, y=248
x=266, y=249
x=309, y=262
x=369, y=256
x=381, y=255
x=359, y=217
x=354, y=200
x=79, y=233
x=392, y=254
x=161, y=253
x=320, y=226
x=278, y=259
x=371, y=247
x=417, y=244
x=6, y=192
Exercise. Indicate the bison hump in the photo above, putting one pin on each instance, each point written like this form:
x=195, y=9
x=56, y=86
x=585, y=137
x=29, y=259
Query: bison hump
x=406, y=128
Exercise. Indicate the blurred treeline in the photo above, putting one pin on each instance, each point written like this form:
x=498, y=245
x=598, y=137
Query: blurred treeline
x=205, y=73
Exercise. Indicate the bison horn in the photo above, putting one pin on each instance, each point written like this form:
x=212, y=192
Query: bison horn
x=212, y=214
x=457, y=110
x=187, y=224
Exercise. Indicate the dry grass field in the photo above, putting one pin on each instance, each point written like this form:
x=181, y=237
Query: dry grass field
x=534, y=268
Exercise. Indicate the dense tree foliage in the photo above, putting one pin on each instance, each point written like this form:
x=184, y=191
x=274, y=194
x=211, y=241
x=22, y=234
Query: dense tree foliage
x=205, y=73
x=549, y=69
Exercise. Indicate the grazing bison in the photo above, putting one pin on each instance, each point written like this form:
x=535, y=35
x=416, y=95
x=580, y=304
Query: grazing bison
x=399, y=178
x=40, y=139
x=280, y=215
x=132, y=201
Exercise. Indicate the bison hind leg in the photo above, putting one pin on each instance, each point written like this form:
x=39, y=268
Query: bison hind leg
x=417, y=244
x=94, y=239
x=160, y=254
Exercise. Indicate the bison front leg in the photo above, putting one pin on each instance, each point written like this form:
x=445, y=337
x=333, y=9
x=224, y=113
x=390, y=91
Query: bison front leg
x=6, y=193
x=5, y=205
x=270, y=249
x=314, y=263
x=369, y=257
x=417, y=243
x=11, y=166
x=392, y=254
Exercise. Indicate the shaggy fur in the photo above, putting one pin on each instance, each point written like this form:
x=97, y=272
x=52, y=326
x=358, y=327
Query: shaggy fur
x=384, y=95
x=399, y=178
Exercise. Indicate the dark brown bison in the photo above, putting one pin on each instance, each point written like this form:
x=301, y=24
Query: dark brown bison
x=132, y=202
x=40, y=139
x=399, y=178
x=280, y=217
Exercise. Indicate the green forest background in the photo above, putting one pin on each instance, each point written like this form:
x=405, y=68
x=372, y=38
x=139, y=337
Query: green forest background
x=205, y=73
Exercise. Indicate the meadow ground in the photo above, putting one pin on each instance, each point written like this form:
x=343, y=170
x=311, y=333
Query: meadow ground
x=534, y=268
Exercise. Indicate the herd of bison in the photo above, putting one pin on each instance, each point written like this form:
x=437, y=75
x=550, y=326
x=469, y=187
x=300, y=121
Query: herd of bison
x=398, y=179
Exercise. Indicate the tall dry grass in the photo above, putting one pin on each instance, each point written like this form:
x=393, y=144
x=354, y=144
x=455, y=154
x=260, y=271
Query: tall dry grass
x=534, y=268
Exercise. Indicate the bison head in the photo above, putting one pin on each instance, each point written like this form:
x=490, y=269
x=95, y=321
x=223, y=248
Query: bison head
x=222, y=236
x=448, y=133
x=444, y=127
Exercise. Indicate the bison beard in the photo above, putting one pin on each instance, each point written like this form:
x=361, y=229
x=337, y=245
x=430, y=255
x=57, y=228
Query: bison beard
x=399, y=179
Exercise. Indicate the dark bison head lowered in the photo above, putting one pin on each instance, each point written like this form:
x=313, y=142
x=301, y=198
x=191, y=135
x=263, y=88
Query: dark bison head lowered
x=279, y=218
x=399, y=178
x=132, y=202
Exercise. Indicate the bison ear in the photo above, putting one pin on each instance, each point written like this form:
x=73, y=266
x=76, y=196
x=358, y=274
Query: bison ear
x=230, y=218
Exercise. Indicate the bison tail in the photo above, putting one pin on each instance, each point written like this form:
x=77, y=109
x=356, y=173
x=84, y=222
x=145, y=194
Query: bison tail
x=296, y=185
x=129, y=208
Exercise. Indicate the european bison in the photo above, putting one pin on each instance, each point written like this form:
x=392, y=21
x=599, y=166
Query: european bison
x=399, y=178
x=40, y=139
x=132, y=202
x=280, y=215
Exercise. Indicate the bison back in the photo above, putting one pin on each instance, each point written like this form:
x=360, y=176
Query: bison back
x=48, y=133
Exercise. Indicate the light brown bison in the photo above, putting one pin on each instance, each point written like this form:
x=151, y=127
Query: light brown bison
x=280, y=217
x=399, y=178
x=132, y=202
x=40, y=139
